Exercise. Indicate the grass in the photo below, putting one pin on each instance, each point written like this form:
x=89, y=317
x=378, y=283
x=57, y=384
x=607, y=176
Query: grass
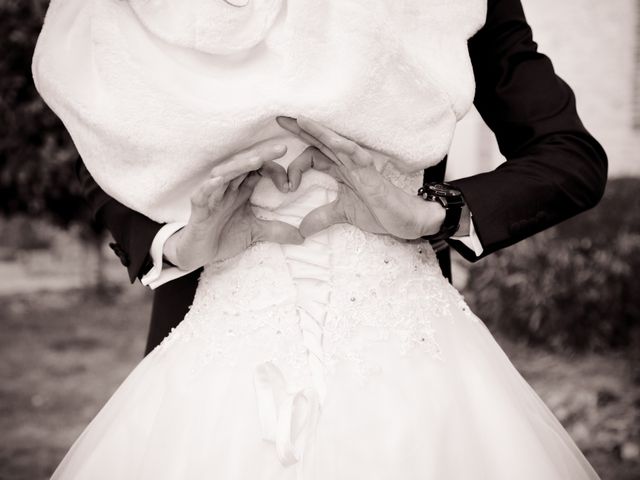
x=63, y=354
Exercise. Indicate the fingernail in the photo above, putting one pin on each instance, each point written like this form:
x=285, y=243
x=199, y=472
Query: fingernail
x=285, y=187
x=279, y=148
x=290, y=185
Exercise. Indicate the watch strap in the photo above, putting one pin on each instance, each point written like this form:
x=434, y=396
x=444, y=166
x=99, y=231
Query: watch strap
x=453, y=207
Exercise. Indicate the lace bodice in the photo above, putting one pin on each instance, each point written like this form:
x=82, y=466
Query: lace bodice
x=308, y=307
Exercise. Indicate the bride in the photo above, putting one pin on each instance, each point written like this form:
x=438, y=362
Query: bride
x=334, y=348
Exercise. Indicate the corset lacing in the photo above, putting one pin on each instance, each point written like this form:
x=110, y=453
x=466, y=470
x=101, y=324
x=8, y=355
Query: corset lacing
x=289, y=416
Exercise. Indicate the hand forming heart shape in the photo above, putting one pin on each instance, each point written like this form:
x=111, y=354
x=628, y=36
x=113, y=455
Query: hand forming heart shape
x=365, y=198
x=222, y=223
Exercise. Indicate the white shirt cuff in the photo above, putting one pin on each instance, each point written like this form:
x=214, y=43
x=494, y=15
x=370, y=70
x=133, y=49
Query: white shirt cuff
x=472, y=242
x=159, y=274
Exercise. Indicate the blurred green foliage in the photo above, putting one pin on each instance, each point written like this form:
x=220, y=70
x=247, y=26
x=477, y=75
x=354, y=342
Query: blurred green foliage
x=37, y=155
x=575, y=286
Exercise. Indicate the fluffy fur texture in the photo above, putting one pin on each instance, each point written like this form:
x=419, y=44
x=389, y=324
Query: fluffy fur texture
x=155, y=92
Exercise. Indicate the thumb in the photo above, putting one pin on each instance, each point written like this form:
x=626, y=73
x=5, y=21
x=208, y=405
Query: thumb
x=277, y=232
x=323, y=217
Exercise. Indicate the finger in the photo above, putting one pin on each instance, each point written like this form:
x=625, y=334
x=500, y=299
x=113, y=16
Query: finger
x=248, y=160
x=201, y=195
x=277, y=174
x=321, y=218
x=235, y=183
x=234, y=199
x=346, y=149
x=217, y=193
x=229, y=200
x=246, y=188
x=212, y=188
x=277, y=232
x=298, y=166
x=292, y=126
x=310, y=158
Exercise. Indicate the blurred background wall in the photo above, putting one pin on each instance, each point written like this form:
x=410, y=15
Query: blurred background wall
x=594, y=48
x=565, y=305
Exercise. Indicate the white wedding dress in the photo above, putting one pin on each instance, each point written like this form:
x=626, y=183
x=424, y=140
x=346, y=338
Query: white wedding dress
x=346, y=357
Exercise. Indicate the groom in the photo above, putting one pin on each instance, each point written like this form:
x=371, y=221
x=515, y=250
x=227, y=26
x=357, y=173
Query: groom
x=555, y=169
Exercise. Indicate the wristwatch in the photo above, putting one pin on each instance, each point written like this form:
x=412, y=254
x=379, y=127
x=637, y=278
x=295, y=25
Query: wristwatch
x=451, y=199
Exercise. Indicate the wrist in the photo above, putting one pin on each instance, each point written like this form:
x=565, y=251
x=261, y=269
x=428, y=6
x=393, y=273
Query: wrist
x=431, y=218
x=170, y=250
x=451, y=203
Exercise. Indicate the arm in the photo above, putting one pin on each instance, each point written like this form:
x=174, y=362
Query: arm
x=133, y=232
x=555, y=169
x=221, y=224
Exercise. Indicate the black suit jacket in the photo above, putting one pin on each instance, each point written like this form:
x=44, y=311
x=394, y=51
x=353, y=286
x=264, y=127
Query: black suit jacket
x=554, y=170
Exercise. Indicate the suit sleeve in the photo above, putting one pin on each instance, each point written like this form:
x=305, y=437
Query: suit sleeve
x=133, y=232
x=555, y=169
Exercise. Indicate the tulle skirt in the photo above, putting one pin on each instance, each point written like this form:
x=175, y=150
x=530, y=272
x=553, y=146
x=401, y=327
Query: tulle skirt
x=469, y=416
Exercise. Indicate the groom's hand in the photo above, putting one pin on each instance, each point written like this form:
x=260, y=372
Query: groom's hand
x=222, y=223
x=365, y=198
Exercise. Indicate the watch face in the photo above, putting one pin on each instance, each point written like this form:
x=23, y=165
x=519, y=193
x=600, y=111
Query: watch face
x=444, y=190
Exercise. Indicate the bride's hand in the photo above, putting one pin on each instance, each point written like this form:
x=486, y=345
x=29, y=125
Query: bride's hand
x=222, y=223
x=365, y=198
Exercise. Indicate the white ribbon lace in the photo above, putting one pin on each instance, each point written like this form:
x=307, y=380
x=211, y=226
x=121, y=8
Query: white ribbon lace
x=288, y=417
